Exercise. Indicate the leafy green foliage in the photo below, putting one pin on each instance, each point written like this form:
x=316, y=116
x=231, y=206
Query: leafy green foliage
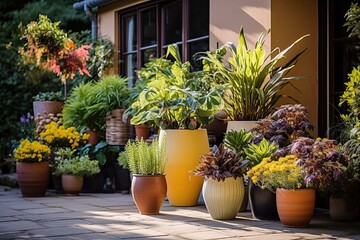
x=67, y=163
x=352, y=18
x=176, y=98
x=145, y=159
x=220, y=164
x=238, y=140
x=255, y=153
x=49, y=96
x=252, y=80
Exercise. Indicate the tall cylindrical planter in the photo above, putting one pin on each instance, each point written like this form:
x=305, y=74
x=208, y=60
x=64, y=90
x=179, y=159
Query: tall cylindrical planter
x=223, y=198
x=33, y=178
x=262, y=203
x=184, y=148
x=72, y=184
x=41, y=107
x=344, y=209
x=295, y=207
x=148, y=192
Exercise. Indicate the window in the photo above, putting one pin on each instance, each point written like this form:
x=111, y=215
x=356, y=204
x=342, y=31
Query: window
x=146, y=31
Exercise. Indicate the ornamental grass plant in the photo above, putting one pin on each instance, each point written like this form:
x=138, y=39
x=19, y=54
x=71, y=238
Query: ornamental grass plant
x=32, y=152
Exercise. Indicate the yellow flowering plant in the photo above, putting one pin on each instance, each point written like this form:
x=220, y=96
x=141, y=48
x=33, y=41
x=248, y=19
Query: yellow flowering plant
x=58, y=136
x=32, y=151
x=282, y=173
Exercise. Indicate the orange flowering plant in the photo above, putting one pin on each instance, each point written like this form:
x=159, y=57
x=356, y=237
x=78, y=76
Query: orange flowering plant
x=56, y=135
x=47, y=46
x=33, y=151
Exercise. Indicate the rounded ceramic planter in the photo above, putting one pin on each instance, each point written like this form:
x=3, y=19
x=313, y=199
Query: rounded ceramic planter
x=344, y=209
x=183, y=148
x=148, y=192
x=72, y=184
x=223, y=198
x=33, y=178
x=262, y=203
x=295, y=207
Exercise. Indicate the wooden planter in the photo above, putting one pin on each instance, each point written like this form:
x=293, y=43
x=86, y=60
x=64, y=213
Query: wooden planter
x=223, y=198
x=117, y=131
x=33, y=178
x=148, y=192
x=184, y=148
x=295, y=207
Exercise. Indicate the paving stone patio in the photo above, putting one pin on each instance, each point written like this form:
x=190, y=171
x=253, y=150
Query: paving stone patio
x=114, y=216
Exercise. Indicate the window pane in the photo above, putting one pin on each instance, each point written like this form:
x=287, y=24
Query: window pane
x=130, y=34
x=130, y=67
x=198, y=18
x=148, y=25
x=197, y=47
x=147, y=54
x=172, y=23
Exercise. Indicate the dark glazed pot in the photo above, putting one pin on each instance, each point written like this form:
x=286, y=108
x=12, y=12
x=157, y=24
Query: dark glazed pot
x=122, y=178
x=262, y=203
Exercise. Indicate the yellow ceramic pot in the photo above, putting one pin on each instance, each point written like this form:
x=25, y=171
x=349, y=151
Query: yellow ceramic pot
x=184, y=148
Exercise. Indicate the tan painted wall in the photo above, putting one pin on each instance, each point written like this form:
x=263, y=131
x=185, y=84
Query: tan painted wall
x=227, y=16
x=291, y=20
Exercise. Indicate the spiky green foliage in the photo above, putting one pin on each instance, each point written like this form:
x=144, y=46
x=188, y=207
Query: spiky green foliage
x=255, y=153
x=238, y=140
x=253, y=81
x=146, y=159
x=352, y=18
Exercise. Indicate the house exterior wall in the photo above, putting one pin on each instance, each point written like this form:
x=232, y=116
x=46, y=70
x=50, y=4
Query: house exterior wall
x=289, y=21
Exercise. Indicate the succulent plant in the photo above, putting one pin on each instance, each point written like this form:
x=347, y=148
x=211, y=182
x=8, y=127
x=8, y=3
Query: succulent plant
x=255, y=153
x=238, y=140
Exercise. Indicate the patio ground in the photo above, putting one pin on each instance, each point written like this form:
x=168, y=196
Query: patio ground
x=114, y=216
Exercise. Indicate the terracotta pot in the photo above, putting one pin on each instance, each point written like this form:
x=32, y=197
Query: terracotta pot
x=41, y=107
x=142, y=131
x=94, y=137
x=223, y=198
x=183, y=148
x=72, y=184
x=295, y=207
x=148, y=192
x=344, y=209
x=262, y=203
x=33, y=178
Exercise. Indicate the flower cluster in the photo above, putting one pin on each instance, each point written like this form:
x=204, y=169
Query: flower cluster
x=283, y=173
x=32, y=152
x=49, y=47
x=59, y=136
x=351, y=94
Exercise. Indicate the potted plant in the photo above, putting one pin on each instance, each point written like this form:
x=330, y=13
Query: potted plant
x=179, y=102
x=81, y=111
x=286, y=124
x=223, y=189
x=73, y=168
x=262, y=200
x=122, y=174
x=253, y=80
x=48, y=102
x=147, y=165
x=295, y=201
x=57, y=136
x=32, y=168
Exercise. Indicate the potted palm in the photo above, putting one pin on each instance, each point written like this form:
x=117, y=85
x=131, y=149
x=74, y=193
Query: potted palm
x=72, y=169
x=179, y=102
x=32, y=168
x=223, y=188
x=252, y=79
x=147, y=165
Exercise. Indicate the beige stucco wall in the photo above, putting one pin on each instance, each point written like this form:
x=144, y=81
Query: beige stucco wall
x=227, y=17
x=289, y=21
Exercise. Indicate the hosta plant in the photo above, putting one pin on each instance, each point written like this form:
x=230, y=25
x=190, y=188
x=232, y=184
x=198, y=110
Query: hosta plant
x=221, y=163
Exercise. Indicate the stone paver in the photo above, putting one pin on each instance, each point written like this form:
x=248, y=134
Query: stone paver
x=114, y=216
